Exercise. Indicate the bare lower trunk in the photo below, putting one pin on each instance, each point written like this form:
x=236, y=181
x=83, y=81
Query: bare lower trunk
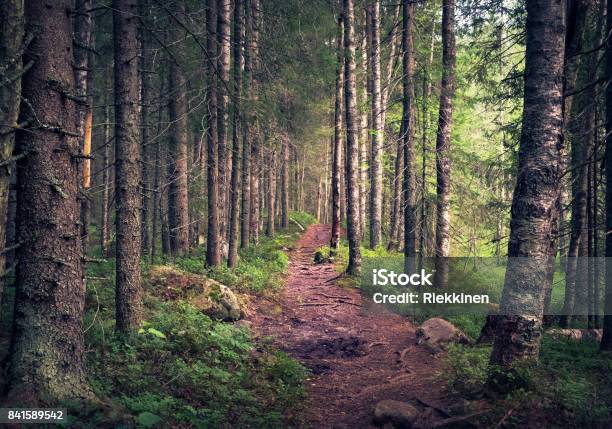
x=518, y=332
x=285, y=185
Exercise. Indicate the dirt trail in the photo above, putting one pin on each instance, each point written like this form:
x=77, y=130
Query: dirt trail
x=358, y=357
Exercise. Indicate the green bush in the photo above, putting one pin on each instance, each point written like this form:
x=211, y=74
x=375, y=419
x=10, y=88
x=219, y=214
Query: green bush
x=182, y=368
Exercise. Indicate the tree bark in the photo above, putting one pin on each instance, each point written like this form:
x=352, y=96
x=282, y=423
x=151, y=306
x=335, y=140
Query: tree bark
x=82, y=28
x=127, y=168
x=337, y=142
x=47, y=351
x=213, y=251
x=518, y=332
x=271, y=174
x=256, y=152
x=352, y=147
x=224, y=151
x=178, y=199
x=376, y=172
x=285, y=184
x=606, y=341
x=443, y=140
x=237, y=43
x=409, y=182
x=11, y=47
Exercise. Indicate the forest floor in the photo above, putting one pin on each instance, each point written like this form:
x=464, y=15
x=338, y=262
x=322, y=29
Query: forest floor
x=358, y=354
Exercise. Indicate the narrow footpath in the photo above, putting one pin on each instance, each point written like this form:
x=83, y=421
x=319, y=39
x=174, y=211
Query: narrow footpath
x=358, y=356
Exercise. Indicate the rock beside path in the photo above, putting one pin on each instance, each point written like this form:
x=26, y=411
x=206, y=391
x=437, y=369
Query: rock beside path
x=400, y=415
x=437, y=333
x=212, y=298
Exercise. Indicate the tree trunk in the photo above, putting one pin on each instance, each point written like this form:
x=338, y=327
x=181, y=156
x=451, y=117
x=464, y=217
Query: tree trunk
x=127, y=168
x=425, y=118
x=337, y=142
x=364, y=122
x=82, y=28
x=606, y=341
x=47, y=350
x=255, y=203
x=178, y=199
x=271, y=173
x=352, y=147
x=376, y=172
x=11, y=39
x=146, y=66
x=518, y=332
x=106, y=176
x=443, y=140
x=213, y=251
x=224, y=151
x=232, y=257
x=409, y=182
x=285, y=184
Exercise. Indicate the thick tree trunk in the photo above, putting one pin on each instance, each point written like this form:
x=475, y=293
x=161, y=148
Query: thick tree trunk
x=178, y=199
x=213, y=251
x=232, y=257
x=47, y=351
x=443, y=140
x=518, y=332
x=376, y=172
x=11, y=40
x=337, y=140
x=352, y=147
x=409, y=182
x=127, y=167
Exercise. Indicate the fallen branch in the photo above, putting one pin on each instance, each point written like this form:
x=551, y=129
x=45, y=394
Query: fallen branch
x=297, y=223
x=378, y=343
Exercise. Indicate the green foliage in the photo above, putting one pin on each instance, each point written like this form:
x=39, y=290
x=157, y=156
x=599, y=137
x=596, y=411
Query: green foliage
x=465, y=369
x=572, y=383
x=182, y=368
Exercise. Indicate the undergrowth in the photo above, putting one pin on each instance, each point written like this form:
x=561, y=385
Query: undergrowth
x=182, y=369
x=571, y=386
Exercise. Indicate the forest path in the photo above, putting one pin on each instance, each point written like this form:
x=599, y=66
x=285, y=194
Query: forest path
x=358, y=356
